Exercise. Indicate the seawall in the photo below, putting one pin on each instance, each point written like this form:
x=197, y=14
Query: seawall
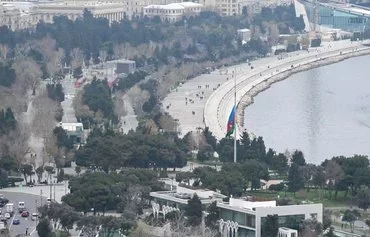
x=251, y=82
x=247, y=99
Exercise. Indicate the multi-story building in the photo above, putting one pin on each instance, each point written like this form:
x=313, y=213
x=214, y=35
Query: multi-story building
x=135, y=8
x=24, y=15
x=246, y=218
x=174, y=11
x=240, y=217
x=18, y=15
x=235, y=7
x=74, y=9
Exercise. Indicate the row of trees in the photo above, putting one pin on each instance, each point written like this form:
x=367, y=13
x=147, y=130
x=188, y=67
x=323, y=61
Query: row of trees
x=123, y=191
x=97, y=39
x=111, y=151
x=232, y=179
x=66, y=217
x=97, y=95
x=248, y=149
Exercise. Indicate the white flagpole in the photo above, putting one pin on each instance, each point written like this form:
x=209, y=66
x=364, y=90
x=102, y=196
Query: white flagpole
x=235, y=115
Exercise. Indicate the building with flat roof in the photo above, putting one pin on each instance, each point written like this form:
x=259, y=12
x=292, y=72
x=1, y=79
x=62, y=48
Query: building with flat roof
x=287, y=232
x=74, y=9
x=74, y=131
x=174, y=11
x=246, y=218
x=179, y=197
x=18, y=15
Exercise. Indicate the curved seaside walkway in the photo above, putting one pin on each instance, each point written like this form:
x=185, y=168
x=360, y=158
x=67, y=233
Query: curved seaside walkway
x=220, y=103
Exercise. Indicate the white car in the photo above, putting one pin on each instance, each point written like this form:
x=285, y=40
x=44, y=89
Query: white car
x=7, y=216
x=34, y=216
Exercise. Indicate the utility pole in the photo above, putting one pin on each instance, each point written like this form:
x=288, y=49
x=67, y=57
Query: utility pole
x=40, y=197
x=234, y=115
x=315, y=17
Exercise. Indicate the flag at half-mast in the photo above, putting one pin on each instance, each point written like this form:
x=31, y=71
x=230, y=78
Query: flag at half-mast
x=231, y=123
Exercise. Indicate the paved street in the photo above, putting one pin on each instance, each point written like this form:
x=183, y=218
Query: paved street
x=31, y=203
x=70, y=91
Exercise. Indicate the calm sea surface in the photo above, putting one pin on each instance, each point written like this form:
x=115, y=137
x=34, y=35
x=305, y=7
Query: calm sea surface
x=324, y=112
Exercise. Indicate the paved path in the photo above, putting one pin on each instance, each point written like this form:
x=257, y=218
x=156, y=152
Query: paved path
x=191, y=97
x=220, y=103
x=175, y=103
x=70, y=91
x=129, y=121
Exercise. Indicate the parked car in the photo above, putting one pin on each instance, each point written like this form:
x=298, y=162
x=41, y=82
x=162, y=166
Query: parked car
x=25, y=214
x=7, y=216
x=16, y=222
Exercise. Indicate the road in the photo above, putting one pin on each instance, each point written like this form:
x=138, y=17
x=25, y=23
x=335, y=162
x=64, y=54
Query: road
x=32, y=202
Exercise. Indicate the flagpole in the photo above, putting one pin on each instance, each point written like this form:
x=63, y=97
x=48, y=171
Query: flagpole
x=235, y=115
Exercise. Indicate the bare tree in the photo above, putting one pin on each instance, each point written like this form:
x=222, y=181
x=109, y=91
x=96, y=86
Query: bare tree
x=4, y=49
x=51, y=147
x=103, y=55
x=273, y=33
x=76, y=58
x=28, y=74
x=119, y=105
x=43, y=121
x=137, y=98
x=17, y=143
x=10, y=98
x=81, y=110
x=53, y=56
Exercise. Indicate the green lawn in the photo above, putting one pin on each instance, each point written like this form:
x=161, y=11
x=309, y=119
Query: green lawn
x=314, y=196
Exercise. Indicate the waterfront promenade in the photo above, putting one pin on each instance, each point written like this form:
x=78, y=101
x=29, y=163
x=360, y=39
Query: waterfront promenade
x=220, y=103
x=206, y=99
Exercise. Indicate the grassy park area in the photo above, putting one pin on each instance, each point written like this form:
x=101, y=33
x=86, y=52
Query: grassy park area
x=302, y=196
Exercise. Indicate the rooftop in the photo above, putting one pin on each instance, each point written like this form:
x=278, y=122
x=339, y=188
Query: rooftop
x=174, y=6
x=243, y=30
x=183, y=194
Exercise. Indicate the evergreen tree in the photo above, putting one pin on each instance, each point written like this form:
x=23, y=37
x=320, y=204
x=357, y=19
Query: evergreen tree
x=295, y=179
x=44, y=228
x=298, y=158
x=213, y=216
x=194, y=210
x=270, y=226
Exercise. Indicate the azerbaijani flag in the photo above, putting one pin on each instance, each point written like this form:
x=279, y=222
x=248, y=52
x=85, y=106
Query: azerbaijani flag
x=231, y=123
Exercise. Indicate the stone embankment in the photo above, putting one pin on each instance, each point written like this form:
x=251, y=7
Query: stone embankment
x=220, y=103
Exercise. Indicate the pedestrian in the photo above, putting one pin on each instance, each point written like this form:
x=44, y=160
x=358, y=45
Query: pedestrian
x=26, y=231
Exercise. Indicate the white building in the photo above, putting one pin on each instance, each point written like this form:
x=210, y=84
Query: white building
x=24, y=15
x=181, y=195
x=74, y=9
x=74, y=131
x=18, y=15
x=244, y=35
x=235, y=7
x=174, y=11
x=286, y=232
x=247, y=217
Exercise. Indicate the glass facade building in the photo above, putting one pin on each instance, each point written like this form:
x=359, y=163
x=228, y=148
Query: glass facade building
x=338, y=19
